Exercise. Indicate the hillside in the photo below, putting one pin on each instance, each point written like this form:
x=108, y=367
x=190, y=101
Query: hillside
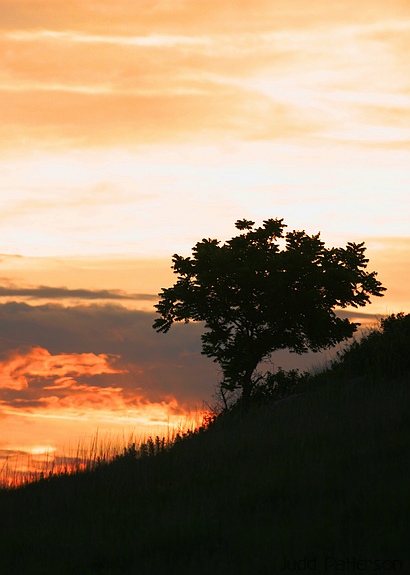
x=320, y=481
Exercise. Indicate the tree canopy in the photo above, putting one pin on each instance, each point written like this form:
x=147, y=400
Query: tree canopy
x=265, y=290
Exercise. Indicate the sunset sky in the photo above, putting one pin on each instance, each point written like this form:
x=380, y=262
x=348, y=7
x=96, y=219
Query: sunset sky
x=131, y=130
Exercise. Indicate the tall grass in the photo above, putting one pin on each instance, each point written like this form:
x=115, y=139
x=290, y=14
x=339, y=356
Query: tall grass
x=321, y=475
x=23, y=467
x=382, y=352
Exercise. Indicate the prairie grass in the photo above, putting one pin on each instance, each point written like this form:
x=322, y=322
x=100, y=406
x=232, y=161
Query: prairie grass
x=23, y=467
x=324, y=474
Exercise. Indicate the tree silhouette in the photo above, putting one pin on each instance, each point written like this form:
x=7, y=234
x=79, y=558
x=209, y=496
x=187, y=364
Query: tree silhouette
x=265, y=290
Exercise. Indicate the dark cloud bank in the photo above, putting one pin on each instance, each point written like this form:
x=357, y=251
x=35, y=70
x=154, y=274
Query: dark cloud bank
x=157, y=365
x=153, y=366
x=58, y=293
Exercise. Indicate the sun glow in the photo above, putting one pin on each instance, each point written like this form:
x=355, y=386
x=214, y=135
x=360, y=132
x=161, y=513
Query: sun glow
x=22, y=464
x=43, y=450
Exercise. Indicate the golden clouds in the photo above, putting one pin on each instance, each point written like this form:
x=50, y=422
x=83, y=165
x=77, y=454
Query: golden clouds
x=87, y=120
x=189, y=16
x=94, y=345
x=16, y=371
x=84, y=119
x=131, y=274
x=77, y=87
x=84, y=90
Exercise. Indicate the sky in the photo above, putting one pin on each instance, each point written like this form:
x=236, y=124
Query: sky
x=131, y=130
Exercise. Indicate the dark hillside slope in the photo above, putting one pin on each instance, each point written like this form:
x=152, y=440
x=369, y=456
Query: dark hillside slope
x=323, y=475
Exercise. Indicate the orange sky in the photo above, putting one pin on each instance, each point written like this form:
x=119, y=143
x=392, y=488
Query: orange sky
x=129, y=131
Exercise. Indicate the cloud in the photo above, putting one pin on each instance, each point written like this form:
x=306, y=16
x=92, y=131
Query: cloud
x=186, y=16
x=92, y=89
x=17, y=370
x=139, y=65
x=139, y=279
x=67, y=371
x=141, y=362
x=87, y=119
x=41, y=199
x=59, y=293
x=53, y=355
x=165, y=72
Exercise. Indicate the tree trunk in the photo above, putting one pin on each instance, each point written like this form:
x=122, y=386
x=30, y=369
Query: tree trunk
x=247, y=389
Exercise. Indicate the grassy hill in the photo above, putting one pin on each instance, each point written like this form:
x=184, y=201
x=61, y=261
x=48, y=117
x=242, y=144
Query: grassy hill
x=318, y=483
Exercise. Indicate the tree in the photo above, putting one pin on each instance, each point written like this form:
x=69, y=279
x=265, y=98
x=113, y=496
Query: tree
x=265, y=290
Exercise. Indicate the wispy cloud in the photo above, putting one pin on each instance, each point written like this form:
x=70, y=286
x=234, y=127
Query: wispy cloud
x=153, y=40
x=185, y=17
x=60, y=293
x=92, y=88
